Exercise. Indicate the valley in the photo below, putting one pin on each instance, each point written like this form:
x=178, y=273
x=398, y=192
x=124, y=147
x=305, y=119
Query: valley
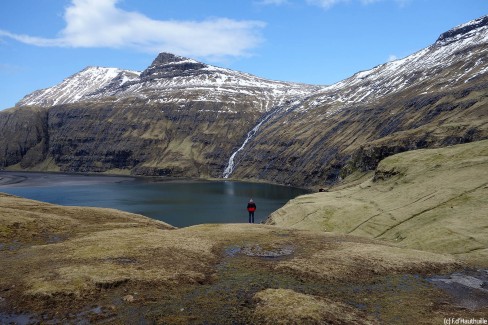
x=396, y=235
x=325, y=257
x=184, y=118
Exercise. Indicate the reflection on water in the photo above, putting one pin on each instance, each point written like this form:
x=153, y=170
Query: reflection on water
x=180, y=203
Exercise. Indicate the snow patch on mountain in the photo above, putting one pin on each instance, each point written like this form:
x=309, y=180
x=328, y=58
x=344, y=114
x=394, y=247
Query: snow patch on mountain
x=77, y=86
x=177, y=80
x=451, y=47
x=208, y=83
x=170, y=79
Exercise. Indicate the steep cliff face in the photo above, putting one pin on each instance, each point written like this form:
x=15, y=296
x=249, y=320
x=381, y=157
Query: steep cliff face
x=145, y=138
x=435, y=97
x=181, y=117
x=24, y=137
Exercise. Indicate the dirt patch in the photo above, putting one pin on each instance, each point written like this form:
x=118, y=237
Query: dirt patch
x=272, y=252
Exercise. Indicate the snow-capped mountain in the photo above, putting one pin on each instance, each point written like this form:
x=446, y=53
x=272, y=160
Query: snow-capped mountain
x=169, y=79
x=182, y=117
x=79, y=85
x=451, y=48
x=435, y=97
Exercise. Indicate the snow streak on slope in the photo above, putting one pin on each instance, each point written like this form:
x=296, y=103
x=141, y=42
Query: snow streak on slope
x=178, y=80
x=450, y=48
x=75, y=87
x=208, y=83
x=174, y=80
x=457, y=57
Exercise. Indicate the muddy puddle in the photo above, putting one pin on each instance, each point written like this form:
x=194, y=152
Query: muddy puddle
x=468, y=289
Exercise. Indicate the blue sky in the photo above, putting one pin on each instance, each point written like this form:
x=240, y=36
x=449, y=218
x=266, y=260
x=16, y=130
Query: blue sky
x=311, y=41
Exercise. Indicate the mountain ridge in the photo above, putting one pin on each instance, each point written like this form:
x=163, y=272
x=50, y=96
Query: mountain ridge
x=181, y=117
x=413, y=95
x=99, y=77
x=167, y=71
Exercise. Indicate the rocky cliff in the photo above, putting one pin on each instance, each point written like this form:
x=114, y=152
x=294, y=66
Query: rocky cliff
x=433, y=98
x=181, y=117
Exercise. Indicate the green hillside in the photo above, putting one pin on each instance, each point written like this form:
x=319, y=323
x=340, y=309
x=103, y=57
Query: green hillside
x=433, y=199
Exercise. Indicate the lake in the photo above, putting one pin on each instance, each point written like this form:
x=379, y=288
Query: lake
x=180, y=203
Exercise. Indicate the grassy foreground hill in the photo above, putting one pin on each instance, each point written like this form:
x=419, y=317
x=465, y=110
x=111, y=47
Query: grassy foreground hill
x=91, y=265
x=433, y=200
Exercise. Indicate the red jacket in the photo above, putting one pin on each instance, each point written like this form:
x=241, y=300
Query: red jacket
x=251, y=207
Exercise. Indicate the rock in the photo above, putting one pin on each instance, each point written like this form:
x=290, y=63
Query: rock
x=128, y=298
x=167, y=65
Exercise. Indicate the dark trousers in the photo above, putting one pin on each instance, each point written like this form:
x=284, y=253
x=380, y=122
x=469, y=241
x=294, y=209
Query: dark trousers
x=251, y=216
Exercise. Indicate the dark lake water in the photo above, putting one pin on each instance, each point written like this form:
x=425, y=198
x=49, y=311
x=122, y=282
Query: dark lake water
x=180, y=203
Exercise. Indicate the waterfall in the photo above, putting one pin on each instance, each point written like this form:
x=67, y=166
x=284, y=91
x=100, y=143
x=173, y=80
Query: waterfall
x=230, y=165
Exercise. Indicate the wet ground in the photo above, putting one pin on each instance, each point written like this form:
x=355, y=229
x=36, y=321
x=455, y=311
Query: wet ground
x=245, y=270
x=468, y=289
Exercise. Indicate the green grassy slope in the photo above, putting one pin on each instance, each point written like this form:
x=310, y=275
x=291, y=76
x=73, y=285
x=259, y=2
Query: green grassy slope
x=434, y=200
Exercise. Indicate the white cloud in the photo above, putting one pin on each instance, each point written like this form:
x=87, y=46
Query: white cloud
x=392, y=57
x=327, y=4
x=38, y=41
x=99, y=23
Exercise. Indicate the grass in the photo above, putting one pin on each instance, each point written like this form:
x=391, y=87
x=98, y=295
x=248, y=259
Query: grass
x=207, y=273
x=285, y=306
x=433, y=200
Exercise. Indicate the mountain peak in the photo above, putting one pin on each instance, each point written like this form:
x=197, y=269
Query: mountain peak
x=168, y=65
x=462, y=30
x=164, y=58
x=76, y=86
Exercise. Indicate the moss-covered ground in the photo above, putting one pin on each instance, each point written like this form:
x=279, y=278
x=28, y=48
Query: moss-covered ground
x=432, y=200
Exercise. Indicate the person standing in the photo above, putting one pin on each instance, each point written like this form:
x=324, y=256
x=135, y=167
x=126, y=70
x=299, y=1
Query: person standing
x=251, y=207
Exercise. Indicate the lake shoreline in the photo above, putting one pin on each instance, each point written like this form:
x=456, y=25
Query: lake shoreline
x=177, y=201
x=33, y=178
x=153, y=179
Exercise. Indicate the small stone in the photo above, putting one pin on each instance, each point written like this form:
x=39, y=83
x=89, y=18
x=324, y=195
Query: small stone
x=128, y=298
